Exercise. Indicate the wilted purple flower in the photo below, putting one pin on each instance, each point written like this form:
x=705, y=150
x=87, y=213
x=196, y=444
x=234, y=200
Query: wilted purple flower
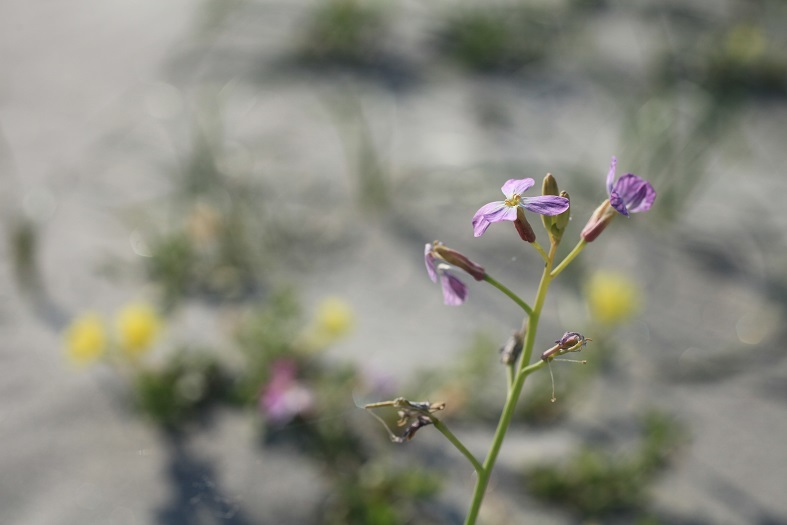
x=507, y=210
x=630, y=194
x=284, y=397
x=570, y=342
x=571, y=339
x=454, y=290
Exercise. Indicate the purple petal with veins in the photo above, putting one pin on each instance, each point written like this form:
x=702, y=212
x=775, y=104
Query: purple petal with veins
x=492, y=212
x=516, y=187
x=546, y=204
x=637, y=194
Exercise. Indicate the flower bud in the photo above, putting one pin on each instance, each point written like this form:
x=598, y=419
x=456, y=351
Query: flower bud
x=598, y=221
x=523, y=227
x=455, y=258
x=548, y=187
x=561, y=221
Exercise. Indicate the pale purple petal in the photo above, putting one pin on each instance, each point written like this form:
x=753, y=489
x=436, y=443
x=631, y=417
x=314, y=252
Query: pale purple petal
x=637, y=193
x=454, y=290
x=545, y=205
x=516, y=187
x=429, y=260
x=611, y=175
x=492, y=212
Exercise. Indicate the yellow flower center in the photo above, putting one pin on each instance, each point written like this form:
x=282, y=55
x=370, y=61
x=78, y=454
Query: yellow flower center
x=513, y=201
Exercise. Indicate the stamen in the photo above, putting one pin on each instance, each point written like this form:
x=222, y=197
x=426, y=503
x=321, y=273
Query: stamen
x=513, y=201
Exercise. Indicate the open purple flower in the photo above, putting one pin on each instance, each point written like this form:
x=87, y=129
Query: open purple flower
x=454, y=290
x=507, y=210
x=630, y=194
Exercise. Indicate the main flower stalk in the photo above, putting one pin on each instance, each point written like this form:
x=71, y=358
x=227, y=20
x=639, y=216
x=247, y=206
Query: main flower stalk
x=523, y=370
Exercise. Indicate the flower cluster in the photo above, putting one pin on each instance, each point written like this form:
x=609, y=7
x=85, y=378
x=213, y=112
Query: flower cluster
x=629, y=194
x=626, y=195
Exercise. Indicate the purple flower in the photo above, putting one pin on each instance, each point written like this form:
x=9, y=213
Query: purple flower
x=630, y=194
x=454, y=290
x=506, y=210
x=284, y=397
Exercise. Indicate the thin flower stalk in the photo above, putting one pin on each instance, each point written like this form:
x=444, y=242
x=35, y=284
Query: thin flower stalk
x=514, y=297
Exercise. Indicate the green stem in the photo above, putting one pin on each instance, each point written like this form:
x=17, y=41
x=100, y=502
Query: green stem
x=540, y=250
x=514, y=297
x=439, y=425
x=513, y=395
x=570, y=257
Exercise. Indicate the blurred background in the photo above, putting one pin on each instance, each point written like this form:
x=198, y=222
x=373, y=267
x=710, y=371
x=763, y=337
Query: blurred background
x=214, y=215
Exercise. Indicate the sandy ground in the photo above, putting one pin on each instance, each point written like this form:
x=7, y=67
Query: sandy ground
x=91, y=97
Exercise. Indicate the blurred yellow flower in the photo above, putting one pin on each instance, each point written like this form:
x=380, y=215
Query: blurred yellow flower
x=86, y=339
x=334, y=317
x=333, y=320
x=612, y=298
x=138, y=325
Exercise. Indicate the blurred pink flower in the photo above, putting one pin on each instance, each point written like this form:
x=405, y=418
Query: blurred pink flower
x=284, y=397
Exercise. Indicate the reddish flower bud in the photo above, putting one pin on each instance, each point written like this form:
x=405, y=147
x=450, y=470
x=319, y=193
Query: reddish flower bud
x=523, y=227
x=598, y=221
x=457, y=259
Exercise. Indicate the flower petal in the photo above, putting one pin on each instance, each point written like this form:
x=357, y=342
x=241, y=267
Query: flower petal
x=611, y=175
x=489, y=213
x=516, y=186
x=616, y=201
x=429, y=260
x=637, y=193
x=454, y=290
x=545, y=204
